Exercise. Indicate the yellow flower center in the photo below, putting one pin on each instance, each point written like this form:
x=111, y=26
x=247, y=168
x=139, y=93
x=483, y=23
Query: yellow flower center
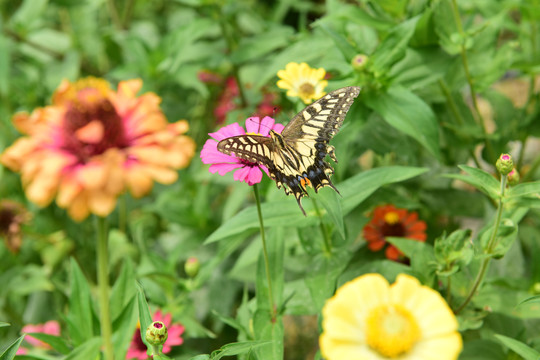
x=391, y=330
x=306, y=91
x=391, y=218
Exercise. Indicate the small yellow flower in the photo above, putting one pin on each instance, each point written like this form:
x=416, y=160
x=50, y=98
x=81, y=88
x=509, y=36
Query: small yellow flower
x=93, y=143
x=302, y=81
x=370, y=319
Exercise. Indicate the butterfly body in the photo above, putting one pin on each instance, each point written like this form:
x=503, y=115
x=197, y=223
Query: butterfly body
x=296, y=157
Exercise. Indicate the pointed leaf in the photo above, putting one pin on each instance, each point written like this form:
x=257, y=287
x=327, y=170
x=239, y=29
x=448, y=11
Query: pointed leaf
x=409, y=114
x=88, y=350
x=145, y=318
x=520, y=348
x=11, y=351
x=80, y=316
x=56, y=342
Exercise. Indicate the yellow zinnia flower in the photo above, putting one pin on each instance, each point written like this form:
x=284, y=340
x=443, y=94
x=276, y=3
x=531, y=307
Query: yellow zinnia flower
x=369, y=319
x=93, y=143
x=302, y=81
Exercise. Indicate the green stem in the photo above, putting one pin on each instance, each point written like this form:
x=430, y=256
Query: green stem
x=457, y=116
x=114, y=14
x=478, y=116
x=327, y=240
x=265, y=254
x=489, y=249
x=103, y=286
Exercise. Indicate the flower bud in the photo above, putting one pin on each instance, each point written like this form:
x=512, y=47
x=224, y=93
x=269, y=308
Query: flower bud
x=192, y=266
x=156, y=333
x=504, y=164
x=359, y=62
x=513, y=177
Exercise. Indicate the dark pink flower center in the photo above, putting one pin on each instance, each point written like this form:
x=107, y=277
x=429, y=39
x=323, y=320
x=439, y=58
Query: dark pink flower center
x=91, y=126
x=137, y=342
x=158, y=325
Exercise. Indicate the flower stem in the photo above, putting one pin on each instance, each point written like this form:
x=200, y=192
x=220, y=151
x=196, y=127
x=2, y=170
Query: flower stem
x=103, y=286
x=489, y=249
x=476, y=113
x=265, y=254
x=327, y=240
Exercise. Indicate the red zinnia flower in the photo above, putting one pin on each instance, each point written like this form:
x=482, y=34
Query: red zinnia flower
x=388, y=220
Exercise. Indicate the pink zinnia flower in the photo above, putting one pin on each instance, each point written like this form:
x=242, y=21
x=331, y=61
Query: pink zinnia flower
x=247, y=171
x=137, y=349
x=50, y=327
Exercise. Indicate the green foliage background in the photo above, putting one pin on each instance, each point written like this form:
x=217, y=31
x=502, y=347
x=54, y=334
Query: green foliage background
x=433, y=67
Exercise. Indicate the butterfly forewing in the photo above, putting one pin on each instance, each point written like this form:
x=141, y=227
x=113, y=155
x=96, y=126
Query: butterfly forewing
x=296, y=157
x=252, y=148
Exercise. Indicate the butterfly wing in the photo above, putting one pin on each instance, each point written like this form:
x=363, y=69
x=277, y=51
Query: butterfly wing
x=306, y=138
x=252, y=148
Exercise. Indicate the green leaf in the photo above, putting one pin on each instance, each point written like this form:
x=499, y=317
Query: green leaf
x=341, y=42
x=233, y=349
x=11, y=351
x=532, y=299
x=4, y=324
x=123, y=289
x=5, y=51
x=123, y=328
x=520, y=348
x=524, y=189
x=409, y=114
x=58, y=343
x=420, y=68
x=353, y=191
x=357, y=188
x=200, y=357
x=145, y=318
x=480, y=179
x=261, y=44
x=421, y=255
x=322, y=275
x=393, y=47
x=86, y=351
x=332, y=204
x=29, y=13
x=276, y=251
x=80, y=316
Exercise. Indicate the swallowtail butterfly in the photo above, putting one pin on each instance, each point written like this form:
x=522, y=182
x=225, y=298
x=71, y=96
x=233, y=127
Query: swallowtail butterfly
x=296, y=157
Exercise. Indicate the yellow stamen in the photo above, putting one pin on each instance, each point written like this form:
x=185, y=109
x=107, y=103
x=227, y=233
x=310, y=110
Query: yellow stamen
x=391, y=218
x=391, y=330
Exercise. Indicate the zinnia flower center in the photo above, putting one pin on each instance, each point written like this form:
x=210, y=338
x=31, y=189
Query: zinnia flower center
x=391, y=330
x=91, y=124
x=7, y=218
x=392, y=225
x=306, y=90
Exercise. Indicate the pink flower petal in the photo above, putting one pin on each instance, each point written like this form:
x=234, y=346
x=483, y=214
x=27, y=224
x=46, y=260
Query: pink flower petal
x=278, y=128
x=228, y=131
x=253, y=125
x=211, y=155
x=267, y=123
x=222, y=169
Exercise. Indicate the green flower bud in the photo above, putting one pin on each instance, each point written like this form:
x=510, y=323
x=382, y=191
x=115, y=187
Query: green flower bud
x=359, y=62
x=192, y=266
x=504, y=164
x=156, y=333
x=513, y=177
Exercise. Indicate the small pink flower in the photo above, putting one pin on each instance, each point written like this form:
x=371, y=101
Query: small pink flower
x=247, y=171
x=137, y=349
x=50, y=327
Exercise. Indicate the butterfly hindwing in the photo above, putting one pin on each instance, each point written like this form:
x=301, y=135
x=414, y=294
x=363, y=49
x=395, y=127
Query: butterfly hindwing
x=296, y=158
